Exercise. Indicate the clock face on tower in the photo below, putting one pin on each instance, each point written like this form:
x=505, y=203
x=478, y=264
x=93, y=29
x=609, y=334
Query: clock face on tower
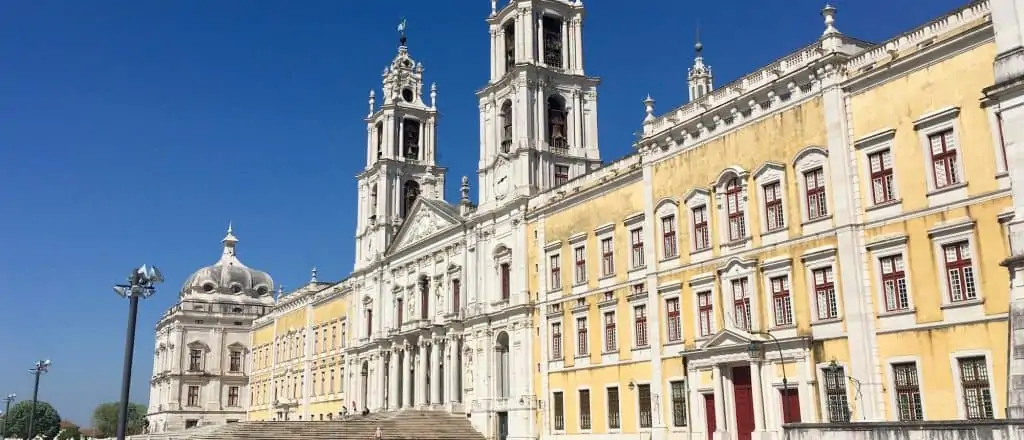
x=501, y=180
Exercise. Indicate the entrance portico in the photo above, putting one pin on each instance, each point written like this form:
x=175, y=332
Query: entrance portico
x=737, y=396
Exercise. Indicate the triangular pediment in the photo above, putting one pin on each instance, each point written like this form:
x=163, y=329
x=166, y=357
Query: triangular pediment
x=426, y=218
x=725, y=339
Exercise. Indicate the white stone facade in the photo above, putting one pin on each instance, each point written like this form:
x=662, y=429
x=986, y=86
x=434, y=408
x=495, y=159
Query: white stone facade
x=201, y=362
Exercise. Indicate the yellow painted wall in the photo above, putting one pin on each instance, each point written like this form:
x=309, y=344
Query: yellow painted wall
x=330, y=310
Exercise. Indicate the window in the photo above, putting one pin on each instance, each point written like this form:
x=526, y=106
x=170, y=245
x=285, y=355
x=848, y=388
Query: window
x=701, y=235
x=609, y=332
x=669, y=246
x=323, y=382
x=640, y=319
x=678, y=403
x=607, y=257
x=559, y=407
x=369, y=322
x=977, y=391
x=334, y=336
x=741, y=303
x=837, y=406
x=894, y=283
x=959, y=272
x=195, y=360
x=331, y=388
x=825, y=293
x=817, y=206
x=585, y=409
x=882, y=188
x=233, y=396
x=734, y=209
x=510, y=45
x=636, y=241
x=705, y=312
x=399, y=316
x=561, y=175
x=193, y=395
x=782, y=301
x=235, y=362
x=908, y=391
x=424, y=297
x=580, y=254
x=411, y=139
x=506, y=126
x=773, y=206
x=316, y=341
x=552, y=31
x=556, y=340
x=410, y=192
x=674, y=322
x=557, y=118
x=614, y=421
x=644, y=396
x=456, y=295
x=944, y=159
x=556, y=271
x=581, y=336
x=506, y=279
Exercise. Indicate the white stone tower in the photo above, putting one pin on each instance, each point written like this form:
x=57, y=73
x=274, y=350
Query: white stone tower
x=699, y=77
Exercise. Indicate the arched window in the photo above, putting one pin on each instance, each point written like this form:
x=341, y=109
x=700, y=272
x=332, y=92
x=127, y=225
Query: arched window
x=502, y=366
x=410, y=192
x=424, y=297
x=373, y=202
x=506, y=127
x=552, y=41
x=556, y=123
x=379, y=128
x=510, y=45
x=411, y=139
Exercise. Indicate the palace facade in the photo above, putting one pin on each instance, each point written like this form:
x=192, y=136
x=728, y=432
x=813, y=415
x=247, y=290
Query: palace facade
x=821, y=240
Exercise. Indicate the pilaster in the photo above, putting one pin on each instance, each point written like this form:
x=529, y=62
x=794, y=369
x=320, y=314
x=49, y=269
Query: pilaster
x=653, y=303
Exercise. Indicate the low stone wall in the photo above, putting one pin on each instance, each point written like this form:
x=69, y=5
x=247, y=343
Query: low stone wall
x=938, y=430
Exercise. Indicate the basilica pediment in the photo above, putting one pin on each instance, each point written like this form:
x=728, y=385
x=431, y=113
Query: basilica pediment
x=426, y=218
x=725, y=339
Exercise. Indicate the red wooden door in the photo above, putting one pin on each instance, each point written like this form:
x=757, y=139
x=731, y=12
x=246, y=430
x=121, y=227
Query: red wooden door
x=744, y=398
x=790, y=405
x=709, y=414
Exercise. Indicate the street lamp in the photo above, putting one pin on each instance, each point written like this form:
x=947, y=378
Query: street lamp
x=7, y=411
x=141, y=284
x=40, y=368
x=756, y=350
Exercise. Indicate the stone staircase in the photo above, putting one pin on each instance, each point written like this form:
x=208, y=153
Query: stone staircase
x=398, y=425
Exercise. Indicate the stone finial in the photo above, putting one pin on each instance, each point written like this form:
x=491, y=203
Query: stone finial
x=494, y=7
x=372, y=101
x=649, y=108
x=829, y=12
x=464, y=189
x=433, y=95
x=313, y=275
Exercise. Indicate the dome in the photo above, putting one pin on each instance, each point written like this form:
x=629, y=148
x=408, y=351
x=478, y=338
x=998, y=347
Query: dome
x=228, y=276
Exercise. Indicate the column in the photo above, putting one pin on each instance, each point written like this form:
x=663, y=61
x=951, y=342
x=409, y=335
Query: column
x=435, y=372
x=565, y=45
x=406, y=366
x=578, y=36
x=382, y=374
x=755, y=385
x=394, y=400
x=421, y=374
x=452, y=368
x=720, y=420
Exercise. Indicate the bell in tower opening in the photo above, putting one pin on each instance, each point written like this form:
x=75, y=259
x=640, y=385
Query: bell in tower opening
x=410, y=192
x=411, y=139
x=552, y=41
x=556, y=123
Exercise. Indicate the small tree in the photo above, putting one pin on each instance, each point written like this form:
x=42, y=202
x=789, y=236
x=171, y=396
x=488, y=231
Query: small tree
x=69, y=431
x=104, y=419
x=46, y=423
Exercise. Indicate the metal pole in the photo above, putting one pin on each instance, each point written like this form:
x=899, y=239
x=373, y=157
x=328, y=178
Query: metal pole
x=7, y=413
x=38, y=370
x=785, y=380
x=126, y=376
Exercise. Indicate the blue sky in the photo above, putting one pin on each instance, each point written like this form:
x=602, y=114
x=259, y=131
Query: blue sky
x=132, y=131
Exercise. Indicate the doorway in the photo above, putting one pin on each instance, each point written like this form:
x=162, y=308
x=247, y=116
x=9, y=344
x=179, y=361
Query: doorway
x=744, y=398
x=709, y=415
x=502, y=425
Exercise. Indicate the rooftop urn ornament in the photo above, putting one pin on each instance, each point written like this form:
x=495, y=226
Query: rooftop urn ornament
x=372, y=101
x=494, y=7
x=433, y=95
x=313, y=274
x=649, y=108
x=829, y=12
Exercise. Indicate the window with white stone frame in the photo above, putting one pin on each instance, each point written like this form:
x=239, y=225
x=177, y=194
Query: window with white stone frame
x=556, y=340
x=811, y=166
x=777, y=276
x=579, y=256
x=731, y=196
x=703, y=288
x=889, y=255
x=974, y=385
x=771, y=181
x=995, y=118
x=582, y=337
x=835, y=397
x=954, y=245
x=667, y=213
x=877, y=163
x=555, y=270
x=939, y=136
x=741, y=302
x=698, y=205
x=823, y=291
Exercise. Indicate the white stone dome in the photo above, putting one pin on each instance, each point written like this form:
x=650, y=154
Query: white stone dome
x=228, y=276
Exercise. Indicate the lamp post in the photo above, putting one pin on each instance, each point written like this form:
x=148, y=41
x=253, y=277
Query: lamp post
x=40, y=368
x=141, y=284
x=755, y=346
x=8, y=399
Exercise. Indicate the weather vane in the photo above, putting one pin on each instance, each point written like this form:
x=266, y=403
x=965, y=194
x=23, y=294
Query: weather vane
x=401, y=31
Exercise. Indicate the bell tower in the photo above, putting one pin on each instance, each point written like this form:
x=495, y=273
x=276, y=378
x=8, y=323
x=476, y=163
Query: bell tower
x=538, y=111
x=401, y=154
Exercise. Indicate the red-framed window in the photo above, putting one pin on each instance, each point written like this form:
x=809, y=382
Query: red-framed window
x=610, y=339
x=908, y=391
x=817, y=203
x=580, y=255
x=669, y=244
x=741, y=302
x=506, y=281
x=581, y=337
x=607, y=256
x=825, y=293
x=555, y=262
x=944, y=159
x=636, y=240
x=674, y=329
x=561, y=175
x=774, y=216
x=894, y=283
x=701, y=234
x=640, y=325
x=734, y=209
x=883, y=188
x=705, y=313
x=782, y=301
x=959, y=272
x=556, y=340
